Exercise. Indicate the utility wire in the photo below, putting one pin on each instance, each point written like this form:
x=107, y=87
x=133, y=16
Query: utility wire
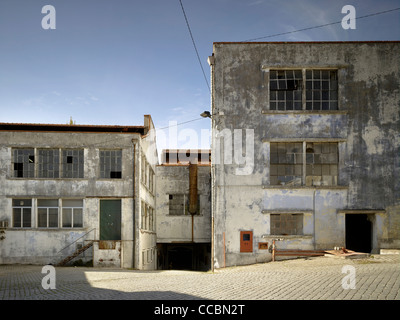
x=194, y=44
x=320, y=26
x=177, y=124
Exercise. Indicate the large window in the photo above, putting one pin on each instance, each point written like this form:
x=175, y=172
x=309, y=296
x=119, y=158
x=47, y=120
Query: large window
x=304, y=163
x=22, y=213
x=72, y=213
x=111, y=164
x=288, y=92
x=47, y=213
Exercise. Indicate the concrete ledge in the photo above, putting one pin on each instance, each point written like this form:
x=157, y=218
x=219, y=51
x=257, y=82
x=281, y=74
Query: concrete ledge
x=390, y=251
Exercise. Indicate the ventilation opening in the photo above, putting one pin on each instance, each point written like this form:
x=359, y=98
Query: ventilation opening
x=358, y=232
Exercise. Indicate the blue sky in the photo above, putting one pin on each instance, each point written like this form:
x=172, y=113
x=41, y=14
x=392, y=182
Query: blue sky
x=112, y=61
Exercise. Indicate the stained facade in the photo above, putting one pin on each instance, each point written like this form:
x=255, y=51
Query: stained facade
x=323, y=155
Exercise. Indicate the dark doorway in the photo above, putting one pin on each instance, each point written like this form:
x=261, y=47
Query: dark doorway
x=358, y=233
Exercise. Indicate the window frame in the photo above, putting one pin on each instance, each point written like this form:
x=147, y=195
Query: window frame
x=21, y=213
x=303, y=84
x=48, y=208
x=114, y=158
x=283, y=218
x=72, y=208
x=306, y=163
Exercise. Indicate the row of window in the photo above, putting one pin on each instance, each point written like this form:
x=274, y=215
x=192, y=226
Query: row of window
x=303, y=89
x=147, y=174
x=48, y=213
x=64, y=163
x=148, y=215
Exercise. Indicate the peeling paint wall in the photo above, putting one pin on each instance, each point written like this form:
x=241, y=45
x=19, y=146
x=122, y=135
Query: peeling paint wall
x=365, y=128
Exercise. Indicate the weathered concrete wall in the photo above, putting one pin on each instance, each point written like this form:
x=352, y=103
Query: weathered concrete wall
x=40, y=246
x=365, y=127
x=146, y=248
x=174, y=179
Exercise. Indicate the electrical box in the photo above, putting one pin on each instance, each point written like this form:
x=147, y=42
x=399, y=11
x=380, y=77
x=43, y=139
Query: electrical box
x=246, y=241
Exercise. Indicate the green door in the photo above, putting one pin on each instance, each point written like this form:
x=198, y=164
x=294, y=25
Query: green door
x=110, y=219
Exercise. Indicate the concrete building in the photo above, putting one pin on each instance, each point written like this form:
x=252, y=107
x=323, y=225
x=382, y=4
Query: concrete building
x=184, y=233
x=305, y=147
x=67, y=188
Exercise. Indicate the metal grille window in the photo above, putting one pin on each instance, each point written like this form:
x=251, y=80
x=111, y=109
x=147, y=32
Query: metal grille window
x=286, y=164
x=72, y=163
x=22, y=213
x=49, y=163
x=72, y=213
x=322, y=164
x=321, y=90
x=286, y=224
x=24, y=163
x=286, y=89
x=111, y=164
x=47, y=213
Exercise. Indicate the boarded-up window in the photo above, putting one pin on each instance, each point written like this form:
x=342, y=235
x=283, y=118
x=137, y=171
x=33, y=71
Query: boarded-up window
x=179, y=204
x=286, y=224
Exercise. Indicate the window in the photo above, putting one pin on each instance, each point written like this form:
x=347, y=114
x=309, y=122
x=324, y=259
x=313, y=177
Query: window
x=179, y=204
x=111, y=164
x=321, y=90
x=322, y=164
x=47, y=213
x=285, y=89
x=72, y=163
x=24, y=163
x=72, y=213
x=49, y=163
x=288, y=167
x=22, y=213
x=286, y=224
x=288, y=92
x=286, y=164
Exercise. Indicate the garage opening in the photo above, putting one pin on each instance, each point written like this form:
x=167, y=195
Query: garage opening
x=359, y=232
x=195, y=256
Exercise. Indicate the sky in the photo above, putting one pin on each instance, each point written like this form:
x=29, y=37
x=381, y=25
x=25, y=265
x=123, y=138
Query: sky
x=109, y=62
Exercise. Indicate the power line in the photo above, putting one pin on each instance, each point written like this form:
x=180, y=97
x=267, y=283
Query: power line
x=178, y=124
x=320, y=26
x=194, y=45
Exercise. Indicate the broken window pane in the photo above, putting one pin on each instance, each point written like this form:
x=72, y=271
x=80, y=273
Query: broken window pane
x=24, y=163
x=285, y=89
x=111, y=164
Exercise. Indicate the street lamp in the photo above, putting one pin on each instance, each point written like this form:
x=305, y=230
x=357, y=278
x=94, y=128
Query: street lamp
x=206, y=114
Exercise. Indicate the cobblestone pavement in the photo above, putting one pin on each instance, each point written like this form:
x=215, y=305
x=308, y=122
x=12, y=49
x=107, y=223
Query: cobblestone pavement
x=377, y=278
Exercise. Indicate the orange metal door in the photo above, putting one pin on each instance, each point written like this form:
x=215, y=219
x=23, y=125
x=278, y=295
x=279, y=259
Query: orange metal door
x=246, y=241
